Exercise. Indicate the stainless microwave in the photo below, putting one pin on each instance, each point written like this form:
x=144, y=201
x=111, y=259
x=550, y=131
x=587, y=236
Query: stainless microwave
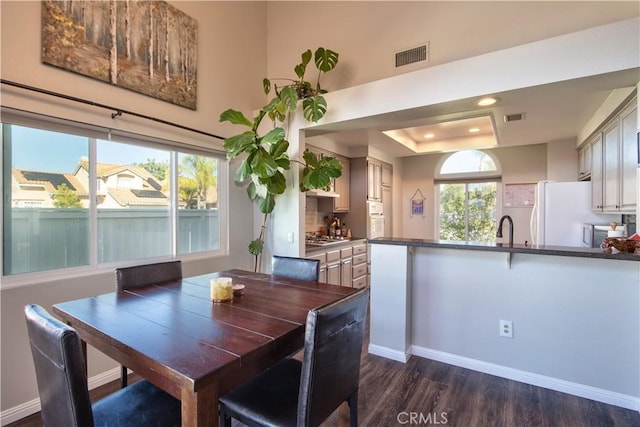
x=594, y=234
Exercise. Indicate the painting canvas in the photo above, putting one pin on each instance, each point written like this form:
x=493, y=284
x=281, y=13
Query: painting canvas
x=146, y=46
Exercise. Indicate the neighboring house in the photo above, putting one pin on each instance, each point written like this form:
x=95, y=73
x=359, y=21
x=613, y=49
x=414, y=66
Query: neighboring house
x=124, y=186
x=35, y=189
x=119, y=187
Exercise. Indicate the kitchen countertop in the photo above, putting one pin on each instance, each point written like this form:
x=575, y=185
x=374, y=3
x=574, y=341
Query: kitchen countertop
x=515, y=248
x=309, y=249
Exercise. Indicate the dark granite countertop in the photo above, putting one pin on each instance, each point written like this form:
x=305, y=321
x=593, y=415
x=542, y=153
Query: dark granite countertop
x=516, y=248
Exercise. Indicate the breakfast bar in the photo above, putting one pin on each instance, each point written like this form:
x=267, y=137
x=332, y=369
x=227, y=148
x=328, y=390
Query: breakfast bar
x=574, y=313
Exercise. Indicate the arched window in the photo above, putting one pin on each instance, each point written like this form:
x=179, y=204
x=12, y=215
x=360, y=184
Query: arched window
x=468, y=191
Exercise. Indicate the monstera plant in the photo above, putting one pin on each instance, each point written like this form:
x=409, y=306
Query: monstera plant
x=264, y=157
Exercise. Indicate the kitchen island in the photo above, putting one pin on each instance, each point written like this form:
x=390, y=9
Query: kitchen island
x=575, y=312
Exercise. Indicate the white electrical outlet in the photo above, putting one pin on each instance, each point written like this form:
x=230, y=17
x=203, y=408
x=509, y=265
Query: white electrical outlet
x=506, y=328
x=290, y=237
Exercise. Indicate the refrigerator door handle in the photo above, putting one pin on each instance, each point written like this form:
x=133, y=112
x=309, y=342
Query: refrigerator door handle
x=533, y=223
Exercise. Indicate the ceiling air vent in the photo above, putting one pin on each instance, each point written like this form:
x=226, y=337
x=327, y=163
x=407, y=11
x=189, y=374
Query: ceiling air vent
x=413, y=55
x=513, y=117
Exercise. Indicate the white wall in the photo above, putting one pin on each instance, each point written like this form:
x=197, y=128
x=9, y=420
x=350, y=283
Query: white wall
x=367, y=34
x=574, y=319
x=232, y=52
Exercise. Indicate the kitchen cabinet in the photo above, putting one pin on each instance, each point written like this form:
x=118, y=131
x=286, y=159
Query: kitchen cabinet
x=368, y=184
x=374, y=180
x=386, y=177
x=584, y=162
x=360, y=270
x=334, y=266
x=341, y=186
x=344, y=265
x=614, y=154
x=596, y=172
x=346, y=273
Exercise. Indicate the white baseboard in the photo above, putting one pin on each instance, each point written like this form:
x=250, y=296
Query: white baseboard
x=576, y=389
x=31, y=407
x=389, y=353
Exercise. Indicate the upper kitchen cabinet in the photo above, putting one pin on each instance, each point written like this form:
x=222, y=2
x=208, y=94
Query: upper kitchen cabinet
x=584, y=162
x=614, y=154
x=341, y=186
x=374, y=180
x=387, y=175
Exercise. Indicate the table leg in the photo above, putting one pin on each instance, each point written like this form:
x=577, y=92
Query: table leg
x=201, y=408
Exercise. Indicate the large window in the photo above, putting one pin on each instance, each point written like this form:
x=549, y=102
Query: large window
x=77, y=198
x=467, y=184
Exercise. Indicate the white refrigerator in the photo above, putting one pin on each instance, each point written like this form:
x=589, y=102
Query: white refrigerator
x=560, y=210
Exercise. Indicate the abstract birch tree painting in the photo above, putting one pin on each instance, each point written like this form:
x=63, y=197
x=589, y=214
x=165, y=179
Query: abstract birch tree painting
x=145, y=46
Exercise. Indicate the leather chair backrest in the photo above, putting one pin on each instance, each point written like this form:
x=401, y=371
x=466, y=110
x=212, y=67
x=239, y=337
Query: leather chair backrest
x=144, y=275
x=60, y=371
x=295, y=268
x=331, y=361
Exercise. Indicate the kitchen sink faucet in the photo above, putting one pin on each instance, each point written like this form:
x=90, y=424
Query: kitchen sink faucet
x=499, y=232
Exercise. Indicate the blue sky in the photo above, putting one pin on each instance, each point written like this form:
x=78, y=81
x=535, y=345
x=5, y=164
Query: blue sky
x=45, y=151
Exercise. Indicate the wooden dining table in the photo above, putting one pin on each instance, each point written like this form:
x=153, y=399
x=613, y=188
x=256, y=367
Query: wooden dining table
x=174, y=336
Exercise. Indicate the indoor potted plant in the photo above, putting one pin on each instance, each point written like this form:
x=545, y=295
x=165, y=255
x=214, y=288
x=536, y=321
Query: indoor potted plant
x=265, y=156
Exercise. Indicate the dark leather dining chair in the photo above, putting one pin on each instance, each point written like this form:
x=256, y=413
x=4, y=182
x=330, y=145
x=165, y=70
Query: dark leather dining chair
x=140, y=276
x=62, y=383
x=295, y=268
x=304, y=393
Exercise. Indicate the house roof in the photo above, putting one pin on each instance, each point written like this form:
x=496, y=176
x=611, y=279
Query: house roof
x=49, y=180
x=107, y=169
x=128, y=197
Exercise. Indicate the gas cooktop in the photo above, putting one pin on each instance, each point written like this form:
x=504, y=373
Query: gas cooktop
x=323, y=240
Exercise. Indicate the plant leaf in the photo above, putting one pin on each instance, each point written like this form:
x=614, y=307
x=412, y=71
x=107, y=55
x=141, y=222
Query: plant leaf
x=314, y=108
x=310, y=158
x=256, y=247
x=263, y=164
x=325, y=59
x=300, y=70
x=276, y=184
x=238, y=144
x=267, y=204
x=275, y=135
x=306, y=57
x=259, y=189
x=279, y=148
x=284, y=163
x=320, y=175
x=251, y=191
x=331, y=166
x=289, y=98
x=234, y=117
x=266, y=86
x=243, y=172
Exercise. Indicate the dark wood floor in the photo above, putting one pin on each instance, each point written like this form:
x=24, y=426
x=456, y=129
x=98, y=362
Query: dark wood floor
x=434, y=393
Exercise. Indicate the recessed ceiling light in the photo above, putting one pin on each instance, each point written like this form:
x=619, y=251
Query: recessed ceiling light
x=474, y=130
x=489, y=100
x=429, y=135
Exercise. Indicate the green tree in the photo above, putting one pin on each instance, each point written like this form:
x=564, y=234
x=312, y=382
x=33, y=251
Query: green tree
x=158, y=169
x=468, y=211
x=452, y=211
x=198, y=174
x=66, y=198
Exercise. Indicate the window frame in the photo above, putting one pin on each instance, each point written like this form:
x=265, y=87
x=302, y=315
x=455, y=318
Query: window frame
x=93, y=133
x=465, y=178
